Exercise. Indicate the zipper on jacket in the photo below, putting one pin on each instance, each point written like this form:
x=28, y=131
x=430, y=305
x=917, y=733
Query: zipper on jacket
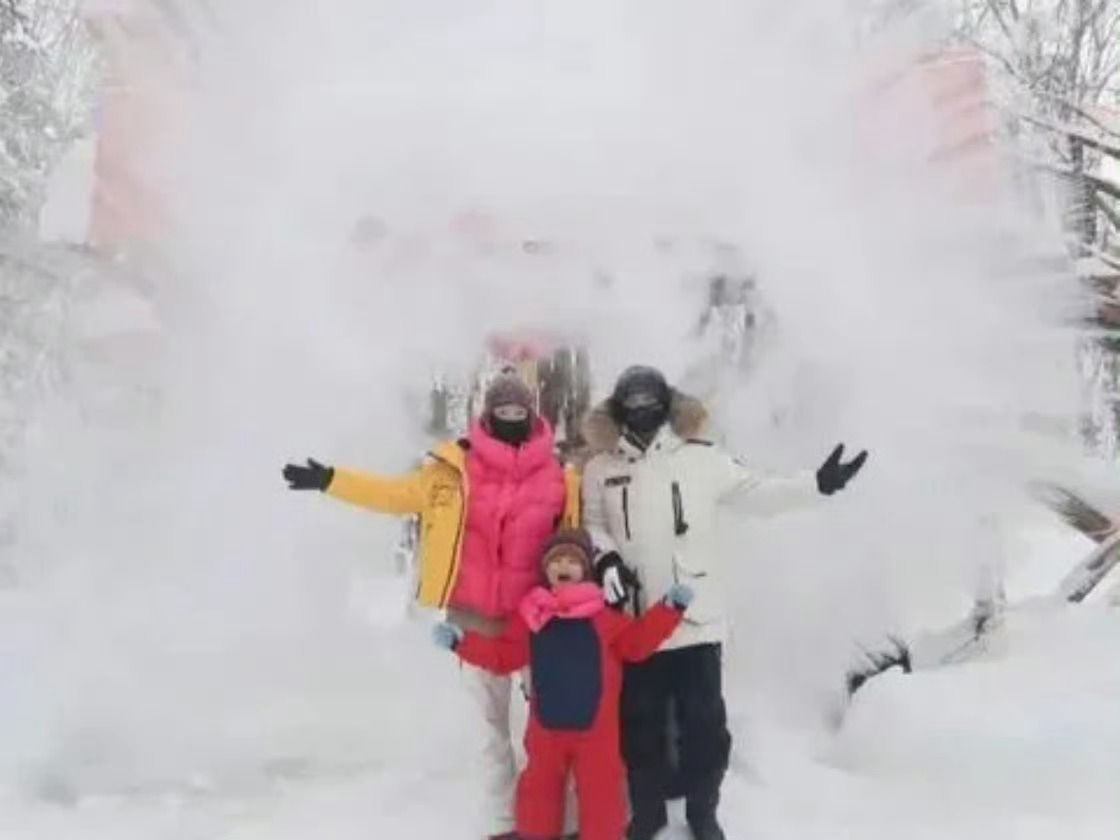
x=453, y=571
x=626, y=510
x=680, y=527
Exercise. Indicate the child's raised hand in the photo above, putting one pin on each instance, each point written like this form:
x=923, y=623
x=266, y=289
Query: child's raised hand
x=679, y=596
x=447, y=635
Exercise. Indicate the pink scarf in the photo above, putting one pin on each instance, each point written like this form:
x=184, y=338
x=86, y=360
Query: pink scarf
x=572, y=600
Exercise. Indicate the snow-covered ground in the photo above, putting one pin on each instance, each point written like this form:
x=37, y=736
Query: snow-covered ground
x=1023, y=746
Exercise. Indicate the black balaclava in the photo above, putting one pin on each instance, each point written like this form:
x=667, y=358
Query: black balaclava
x=513, y=432
x=640, y=401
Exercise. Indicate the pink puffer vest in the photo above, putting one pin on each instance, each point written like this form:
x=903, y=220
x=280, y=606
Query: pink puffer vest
x=515, y=497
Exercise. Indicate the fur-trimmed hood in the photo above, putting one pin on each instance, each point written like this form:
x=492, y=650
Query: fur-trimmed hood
x=687, y=418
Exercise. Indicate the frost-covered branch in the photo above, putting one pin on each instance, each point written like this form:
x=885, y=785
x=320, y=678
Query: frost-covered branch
x=1098, y=182
x=993, y=7
x=1077, y=512
x=1105, y=145
x=1109, y=260
x=1110, y=214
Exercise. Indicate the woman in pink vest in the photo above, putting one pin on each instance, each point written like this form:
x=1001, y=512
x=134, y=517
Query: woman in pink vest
x=515, y=499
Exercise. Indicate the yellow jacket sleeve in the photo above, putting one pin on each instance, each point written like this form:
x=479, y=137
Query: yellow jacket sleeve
x=571, y=517
x=401, y=495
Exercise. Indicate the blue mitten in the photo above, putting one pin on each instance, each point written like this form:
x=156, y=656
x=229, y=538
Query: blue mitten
x=447, y=635
x=679, y=596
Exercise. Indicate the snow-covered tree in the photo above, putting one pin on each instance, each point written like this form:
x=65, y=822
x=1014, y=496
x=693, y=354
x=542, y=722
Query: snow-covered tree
x=1062, y=61
x=46, y=70
x=1059, y=62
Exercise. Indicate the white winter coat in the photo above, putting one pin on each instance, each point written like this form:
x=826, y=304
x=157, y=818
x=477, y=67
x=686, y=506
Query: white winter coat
x=659, y=509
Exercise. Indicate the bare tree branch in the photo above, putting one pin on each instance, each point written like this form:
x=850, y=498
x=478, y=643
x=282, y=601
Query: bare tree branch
x=1100, y=144
x=994, y=9
x=982, y=18
x=1096, y=181
x=1106, y=258
x=1075, y=510
x=1109, y=33
x=1113, y=218
x=995, y=56
x=1081, y=112
x=1103, y=184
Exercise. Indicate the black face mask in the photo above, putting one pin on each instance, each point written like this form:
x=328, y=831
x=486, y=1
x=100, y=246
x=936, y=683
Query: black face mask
x=646, y=420
x=513, y=432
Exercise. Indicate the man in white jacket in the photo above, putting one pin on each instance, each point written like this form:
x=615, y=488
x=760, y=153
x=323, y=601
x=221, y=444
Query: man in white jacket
x=651, y=496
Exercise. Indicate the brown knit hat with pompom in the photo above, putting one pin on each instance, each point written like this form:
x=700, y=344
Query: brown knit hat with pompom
x=571, y=541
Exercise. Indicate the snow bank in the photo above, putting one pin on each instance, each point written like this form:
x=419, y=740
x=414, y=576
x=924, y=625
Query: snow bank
x=1035, y=728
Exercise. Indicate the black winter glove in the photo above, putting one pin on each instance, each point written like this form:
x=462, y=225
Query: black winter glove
x=312, y=477
x=615, y=577
x=834, y=474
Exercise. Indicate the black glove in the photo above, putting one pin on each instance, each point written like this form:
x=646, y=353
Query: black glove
x=834, y=474
x=615, y=577
x=312, y=477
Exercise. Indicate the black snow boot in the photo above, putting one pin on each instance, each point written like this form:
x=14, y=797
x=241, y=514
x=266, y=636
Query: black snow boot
x=700, y=814
x=705, y=827
x=647, y=804
x=646, y=823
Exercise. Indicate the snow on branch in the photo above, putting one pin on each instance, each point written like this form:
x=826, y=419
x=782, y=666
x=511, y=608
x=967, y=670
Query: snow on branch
x=1101, y=144
x=1098, y=182
x=1066, y=102
x=1110, y=214
x=1075, y=510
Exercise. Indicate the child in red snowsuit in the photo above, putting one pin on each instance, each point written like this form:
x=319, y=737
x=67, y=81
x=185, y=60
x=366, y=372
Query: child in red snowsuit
x=574, y=647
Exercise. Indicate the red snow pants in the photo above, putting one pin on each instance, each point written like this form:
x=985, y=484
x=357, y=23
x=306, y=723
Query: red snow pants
x=595, y=758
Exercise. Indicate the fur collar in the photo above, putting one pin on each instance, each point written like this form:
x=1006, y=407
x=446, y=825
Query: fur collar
x=687, y=418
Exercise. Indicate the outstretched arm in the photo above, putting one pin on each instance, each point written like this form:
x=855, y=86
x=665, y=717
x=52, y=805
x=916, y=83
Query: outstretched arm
x=401, y=495
x=775, y=494
x=638, y=639
x=502, y=654
x=761, y=493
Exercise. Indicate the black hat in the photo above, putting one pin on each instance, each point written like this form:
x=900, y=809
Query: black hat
x=640, y=379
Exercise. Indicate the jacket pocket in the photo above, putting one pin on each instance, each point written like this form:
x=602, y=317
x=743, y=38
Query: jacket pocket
x=707, y=600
